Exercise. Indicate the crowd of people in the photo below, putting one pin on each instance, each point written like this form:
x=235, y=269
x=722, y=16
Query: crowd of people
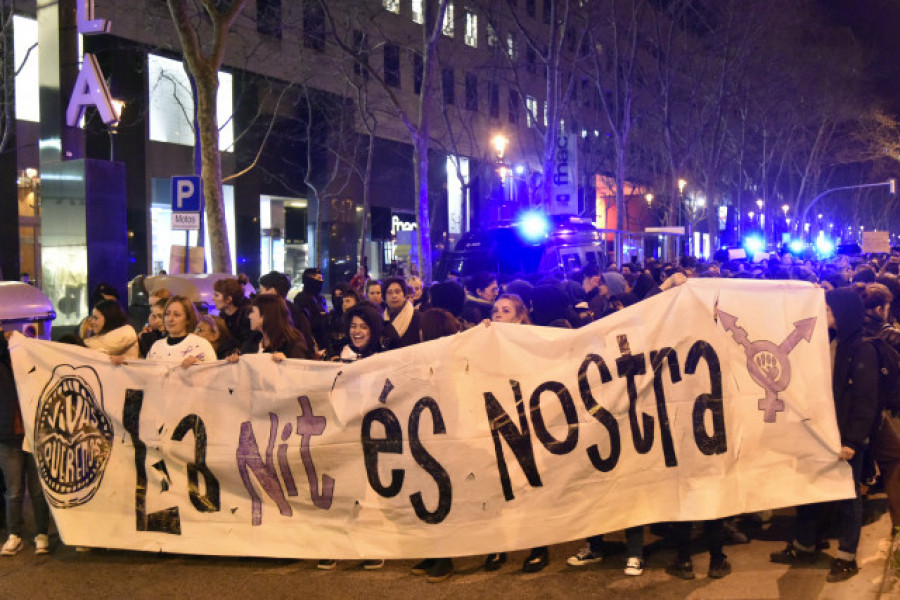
x=369, y=316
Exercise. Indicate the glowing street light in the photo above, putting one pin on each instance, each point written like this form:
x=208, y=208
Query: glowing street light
x=785, y=208
x=500, y=142
x=681, y=184
x=649, y=199
x=760, y=203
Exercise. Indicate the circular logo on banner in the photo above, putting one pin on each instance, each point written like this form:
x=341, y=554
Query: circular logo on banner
x=72, y=436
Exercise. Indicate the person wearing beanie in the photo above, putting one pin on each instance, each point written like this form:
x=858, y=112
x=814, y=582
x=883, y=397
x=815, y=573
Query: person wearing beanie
x=855, y=387
x=615, y=283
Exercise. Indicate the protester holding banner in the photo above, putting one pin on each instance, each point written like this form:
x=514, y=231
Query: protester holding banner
x=363, y=330
x=269, y=317
x=181, y=344
x=855, y=387
x=228, y=297
x=18, y=466
x=280, y=284
x=111, y=331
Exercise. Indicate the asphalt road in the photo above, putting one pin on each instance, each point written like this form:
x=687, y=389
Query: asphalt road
x=134, y=575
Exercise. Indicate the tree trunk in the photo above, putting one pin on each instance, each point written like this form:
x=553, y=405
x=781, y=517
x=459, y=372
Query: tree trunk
x=420, y=159
x=211, y=172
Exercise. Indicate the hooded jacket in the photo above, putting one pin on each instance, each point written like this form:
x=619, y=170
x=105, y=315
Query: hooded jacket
x=855, y=372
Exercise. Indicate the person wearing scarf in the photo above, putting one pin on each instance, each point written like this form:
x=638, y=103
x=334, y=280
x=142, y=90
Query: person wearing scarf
x=402, y=320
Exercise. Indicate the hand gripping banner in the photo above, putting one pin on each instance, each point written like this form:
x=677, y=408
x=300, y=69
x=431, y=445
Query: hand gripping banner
x=708, y=400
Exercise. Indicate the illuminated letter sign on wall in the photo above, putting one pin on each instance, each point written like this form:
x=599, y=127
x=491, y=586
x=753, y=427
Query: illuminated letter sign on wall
x=564, y=190
x=90, y=87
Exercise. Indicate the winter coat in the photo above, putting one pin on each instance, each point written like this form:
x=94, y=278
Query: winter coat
x=855, y=373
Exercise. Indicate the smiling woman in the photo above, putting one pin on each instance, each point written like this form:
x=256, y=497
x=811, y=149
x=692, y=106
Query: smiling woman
x=111, y=333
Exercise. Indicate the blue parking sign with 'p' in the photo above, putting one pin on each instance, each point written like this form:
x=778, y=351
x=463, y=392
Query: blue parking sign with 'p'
x=186, y=193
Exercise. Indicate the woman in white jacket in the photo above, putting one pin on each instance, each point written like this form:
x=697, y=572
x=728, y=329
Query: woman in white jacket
x=111, y=332
x=181, y=344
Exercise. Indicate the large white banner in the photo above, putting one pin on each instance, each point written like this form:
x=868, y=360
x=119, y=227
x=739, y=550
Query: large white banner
x=705, y=401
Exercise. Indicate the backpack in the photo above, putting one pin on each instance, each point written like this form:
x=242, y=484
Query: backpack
x=888, y=375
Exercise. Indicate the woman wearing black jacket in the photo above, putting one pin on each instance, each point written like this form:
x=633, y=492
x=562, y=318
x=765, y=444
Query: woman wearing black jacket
x=269, y=316
x=855, y=386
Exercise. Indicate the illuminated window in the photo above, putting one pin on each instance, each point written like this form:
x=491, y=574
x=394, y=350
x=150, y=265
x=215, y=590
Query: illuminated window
x=471, y=38
x=448, y=20
x=511, y=46
x=492, y=39
x=25, y=38
x=172, y=105
x=531, y=107
x=418, y=12
x=391, y=5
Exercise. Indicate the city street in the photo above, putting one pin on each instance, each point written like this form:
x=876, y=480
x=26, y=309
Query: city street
x=120, y=574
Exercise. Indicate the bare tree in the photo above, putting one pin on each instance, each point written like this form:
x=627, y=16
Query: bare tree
x=417, y=120
x=203, y=58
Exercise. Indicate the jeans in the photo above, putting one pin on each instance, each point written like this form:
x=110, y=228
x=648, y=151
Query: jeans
x=712, y=531
x=849, y=513
x=634, y=542
x=18, y=466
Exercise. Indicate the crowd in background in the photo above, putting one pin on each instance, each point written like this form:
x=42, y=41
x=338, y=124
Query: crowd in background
x=368, y=316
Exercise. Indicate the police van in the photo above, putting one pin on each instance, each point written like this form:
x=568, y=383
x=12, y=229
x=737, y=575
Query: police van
x=534, y=244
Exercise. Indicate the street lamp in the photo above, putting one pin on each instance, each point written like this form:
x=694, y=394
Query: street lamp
x=118, y=107
x=500, y=142
x=649, y=199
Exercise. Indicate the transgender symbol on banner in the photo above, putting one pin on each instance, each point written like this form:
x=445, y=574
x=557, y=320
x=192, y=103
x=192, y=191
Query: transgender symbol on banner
x=767, y=362
x=72, y=436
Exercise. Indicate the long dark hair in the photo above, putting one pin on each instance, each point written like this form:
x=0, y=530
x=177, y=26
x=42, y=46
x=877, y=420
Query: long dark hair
x=113, y=315
x=371, y=316
x=276, y=324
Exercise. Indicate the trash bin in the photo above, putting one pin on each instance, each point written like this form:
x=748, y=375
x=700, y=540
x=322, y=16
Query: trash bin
x=25, y=309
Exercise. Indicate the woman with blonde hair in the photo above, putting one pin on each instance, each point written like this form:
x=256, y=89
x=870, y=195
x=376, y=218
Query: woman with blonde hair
x=509, y=308
x=181, y=344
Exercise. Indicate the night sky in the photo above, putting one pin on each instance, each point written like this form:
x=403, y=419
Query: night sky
x=876, y=24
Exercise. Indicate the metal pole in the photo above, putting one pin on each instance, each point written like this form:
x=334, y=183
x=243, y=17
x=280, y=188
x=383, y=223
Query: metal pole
x=890, y=183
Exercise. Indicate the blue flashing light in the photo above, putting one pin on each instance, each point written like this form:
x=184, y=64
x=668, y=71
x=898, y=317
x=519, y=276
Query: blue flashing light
x=754, y=245
x=824, y=246
x=797, y=246
x=533, y=226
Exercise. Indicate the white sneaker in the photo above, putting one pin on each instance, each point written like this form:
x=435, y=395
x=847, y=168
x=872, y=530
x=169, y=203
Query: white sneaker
x=12, y=546
x=584, y=557
x=634, y=566
x=41, y=544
